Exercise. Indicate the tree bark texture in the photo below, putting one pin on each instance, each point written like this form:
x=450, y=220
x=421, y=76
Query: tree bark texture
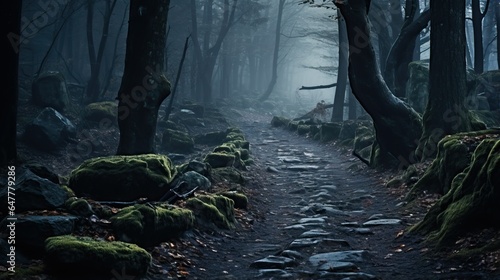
x=143, y=86
x=445, y=112
x=398, y=127
x=339, y=100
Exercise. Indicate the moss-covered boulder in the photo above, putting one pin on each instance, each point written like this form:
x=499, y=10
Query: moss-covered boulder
x=150, y=224
x=279, y=121
x=172, y=125
x=489, y=118
x=99, y=111
x=293, y=125
x=348, y=130
x=472, y=201
x=70, y=255
x=177, y=141
x=240, y=200
x=220, y=159
x=123, y=178
x=211, y=210
x=453, y=156
x=79, y=207
x=489, y=84
x=329, y=131
x=229, y=174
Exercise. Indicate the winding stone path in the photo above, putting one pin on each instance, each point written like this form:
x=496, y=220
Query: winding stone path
x=320, y=219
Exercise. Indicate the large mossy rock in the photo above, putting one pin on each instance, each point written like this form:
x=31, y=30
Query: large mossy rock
x=220, y=159
x=101, y=111
x=211, y=138
x=50, y=130
x=364, y=138
x=279, y=121
x=177, y=141
x=70, y=255
x=472, y=201
x=123, y=178
x=49, y=90
x=230, y=174
x=211, y=210
x=148, y=225
x=453, y=156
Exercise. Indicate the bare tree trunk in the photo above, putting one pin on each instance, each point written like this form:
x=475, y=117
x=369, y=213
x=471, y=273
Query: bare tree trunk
x=477, y=25
x=338, y=102
x=398, y=127
x=497, y=19
x=445, y=112
x=274, y=74
x=143, y=87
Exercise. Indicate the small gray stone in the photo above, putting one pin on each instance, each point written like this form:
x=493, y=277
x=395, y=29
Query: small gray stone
x=347, y=275
x=312, y=220
x=315, y=233
x=292, y=254
x=376, y=217
x=271, y=169
x=350, y=224
x=289, y=159
x=302, y=167
x=279, y=273
x=382, y=222
x=304, y=242
x=337, y=266
x=341, y=256
x=273, y=262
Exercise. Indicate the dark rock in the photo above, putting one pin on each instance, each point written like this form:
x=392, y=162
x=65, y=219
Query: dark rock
x=31, y=231
x=330, y=131
x=289, y=159
x=230, y=174
x=240, y=200
x=70, y=255
x=49, y=130
x=315, y=233
x=220, y=159
x=337, y=266
x=177, y=141
x=212, y=210
x=79, y=207
x=313, y=220
x=348, y=275
x=274, y=262
x=194, y=179
x=34, y=193
x=272, y=169
x=417, y=87
x=363, y=231
x=275, y=273
x=49, y=90
x=43, y=172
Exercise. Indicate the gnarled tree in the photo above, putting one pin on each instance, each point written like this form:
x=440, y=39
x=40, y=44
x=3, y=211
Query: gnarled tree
x=398, y=127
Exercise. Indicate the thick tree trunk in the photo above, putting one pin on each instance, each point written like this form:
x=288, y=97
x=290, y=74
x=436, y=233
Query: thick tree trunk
x=338, y=108
x=274, y=75
x=143, y=87
x=497, y=19
x=401, y=54
x=398, y=127
x=477, y=25
x=11, y=13
x=353, y=105
x=445, y=112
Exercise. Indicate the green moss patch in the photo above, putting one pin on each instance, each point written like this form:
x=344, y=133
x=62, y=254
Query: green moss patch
x=230, y=174
x=240, y=200
x=472, y=201
x=99, y=111
x=177, y=141
x=82, y=255
x=149, y=224
x=123, y=178
x=220, y=159
x=329, y=131
x=211, y=210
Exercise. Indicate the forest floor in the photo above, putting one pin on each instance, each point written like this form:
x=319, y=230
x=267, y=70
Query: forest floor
x=305, y=198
